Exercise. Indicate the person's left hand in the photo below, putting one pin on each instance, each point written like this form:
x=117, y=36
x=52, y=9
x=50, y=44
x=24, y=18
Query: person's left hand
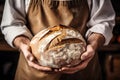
x=85, y=57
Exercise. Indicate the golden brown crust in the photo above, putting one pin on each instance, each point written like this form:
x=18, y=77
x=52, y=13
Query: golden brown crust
x=55, y=45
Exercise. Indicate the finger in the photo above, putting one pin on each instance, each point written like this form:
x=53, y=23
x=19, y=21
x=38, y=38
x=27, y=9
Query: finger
x=27, y=53
x=38, y=67
x=30, y=57
x=72, y=70
x=32, y=62
x=89, y=53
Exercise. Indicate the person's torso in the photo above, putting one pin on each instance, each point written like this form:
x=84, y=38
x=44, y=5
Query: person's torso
x=47, y=13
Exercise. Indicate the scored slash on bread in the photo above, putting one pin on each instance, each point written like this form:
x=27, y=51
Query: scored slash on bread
x=58, y=46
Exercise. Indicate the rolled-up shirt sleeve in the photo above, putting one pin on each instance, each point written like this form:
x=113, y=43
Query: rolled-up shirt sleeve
x=13, y=22
x=102, y=19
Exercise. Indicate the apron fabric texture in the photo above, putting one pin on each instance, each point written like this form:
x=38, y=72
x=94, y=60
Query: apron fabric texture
x=47, y=13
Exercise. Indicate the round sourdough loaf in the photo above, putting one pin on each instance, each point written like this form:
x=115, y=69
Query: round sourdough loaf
x=58, y=46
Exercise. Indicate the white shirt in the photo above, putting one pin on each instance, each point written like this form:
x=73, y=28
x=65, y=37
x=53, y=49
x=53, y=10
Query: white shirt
x=14, y=23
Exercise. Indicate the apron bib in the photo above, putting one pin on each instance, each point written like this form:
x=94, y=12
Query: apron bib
x=47, y=13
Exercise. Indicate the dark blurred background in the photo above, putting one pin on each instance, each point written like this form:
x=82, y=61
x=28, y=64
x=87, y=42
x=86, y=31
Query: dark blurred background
x=109, y=55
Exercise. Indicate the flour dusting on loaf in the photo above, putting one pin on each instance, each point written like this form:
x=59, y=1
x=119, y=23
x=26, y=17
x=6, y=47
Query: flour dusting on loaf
x=58, y=46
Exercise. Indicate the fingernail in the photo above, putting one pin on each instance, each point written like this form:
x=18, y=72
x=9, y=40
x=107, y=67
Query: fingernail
x=31, y=58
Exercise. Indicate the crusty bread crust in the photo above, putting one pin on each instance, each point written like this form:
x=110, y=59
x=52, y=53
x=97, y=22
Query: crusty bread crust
x=58, y=46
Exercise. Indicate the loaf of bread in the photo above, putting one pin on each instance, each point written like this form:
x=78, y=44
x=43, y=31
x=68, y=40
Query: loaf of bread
x=58, y=46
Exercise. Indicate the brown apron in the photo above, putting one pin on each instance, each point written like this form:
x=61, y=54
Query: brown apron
x=47, y=13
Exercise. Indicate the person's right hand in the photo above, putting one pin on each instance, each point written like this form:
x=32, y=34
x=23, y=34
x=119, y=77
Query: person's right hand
x=22, y=43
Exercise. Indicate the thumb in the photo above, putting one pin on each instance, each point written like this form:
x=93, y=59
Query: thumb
x=89, y=52
x=27, y=53
x=84, y=56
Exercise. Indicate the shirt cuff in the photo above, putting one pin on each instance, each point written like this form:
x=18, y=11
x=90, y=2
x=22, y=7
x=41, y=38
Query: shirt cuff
x=102, y=29
x=12, y=32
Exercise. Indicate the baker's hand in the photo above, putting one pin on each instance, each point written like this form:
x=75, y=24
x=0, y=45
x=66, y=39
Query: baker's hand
x=85, y=57
x=94, y=41
x=22, y=43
